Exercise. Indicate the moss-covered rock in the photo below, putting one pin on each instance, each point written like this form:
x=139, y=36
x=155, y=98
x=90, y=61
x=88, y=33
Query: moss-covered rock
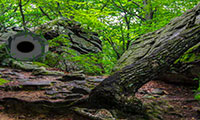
x=69, y=43
x=26, y=66
x=43, y=71
x=72, y=48
x=40, y=64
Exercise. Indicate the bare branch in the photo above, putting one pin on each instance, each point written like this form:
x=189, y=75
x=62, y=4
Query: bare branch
x=58, y=4
x=113, y=46
x=44, y=13
x=22, y=14
x=134, y=14
x=138, y=5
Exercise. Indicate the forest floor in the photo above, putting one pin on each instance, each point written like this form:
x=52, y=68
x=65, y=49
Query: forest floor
x=26, y=92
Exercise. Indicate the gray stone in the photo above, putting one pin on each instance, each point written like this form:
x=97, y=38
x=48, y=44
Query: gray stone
x=19, y=65
x=96, y=79
x=81, y=90
x=22, y=79
x=158, y=91
x=35, y=85
x=80, y=82
x=73, y=96
x=148, y=97
x=71, y=77
x=16, y=70
x=101, y=114
x=14, y=73
x=64, y=91
x=51, y=92
x=43, y=71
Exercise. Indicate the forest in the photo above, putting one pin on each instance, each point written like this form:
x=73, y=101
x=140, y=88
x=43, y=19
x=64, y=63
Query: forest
x=99, y=60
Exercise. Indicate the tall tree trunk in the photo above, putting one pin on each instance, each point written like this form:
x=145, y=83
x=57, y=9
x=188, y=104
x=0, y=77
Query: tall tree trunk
x=165, y=46
x=148, y=9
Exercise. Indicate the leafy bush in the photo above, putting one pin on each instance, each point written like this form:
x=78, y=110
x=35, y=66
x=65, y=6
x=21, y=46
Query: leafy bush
x=3, y=53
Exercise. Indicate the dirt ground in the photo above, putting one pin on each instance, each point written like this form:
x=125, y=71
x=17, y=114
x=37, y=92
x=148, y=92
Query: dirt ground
x=180, y=98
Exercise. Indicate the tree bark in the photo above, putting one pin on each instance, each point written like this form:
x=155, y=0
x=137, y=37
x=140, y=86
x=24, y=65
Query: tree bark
x=167, y=45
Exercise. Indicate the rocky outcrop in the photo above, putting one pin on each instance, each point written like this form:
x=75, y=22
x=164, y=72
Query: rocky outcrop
x=82, y=41
x=67, y=40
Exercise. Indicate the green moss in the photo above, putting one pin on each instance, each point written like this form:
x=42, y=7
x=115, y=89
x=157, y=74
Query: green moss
x=52, y=59
x=197, y=97
x=40, y=64
x=191, y=55
x=3, y=81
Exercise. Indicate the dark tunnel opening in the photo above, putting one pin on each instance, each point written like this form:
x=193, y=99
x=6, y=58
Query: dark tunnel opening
x=25, y=47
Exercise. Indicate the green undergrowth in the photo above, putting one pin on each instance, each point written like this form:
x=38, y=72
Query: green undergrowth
x=62, y=56
x=197, y=95
x=3, y=53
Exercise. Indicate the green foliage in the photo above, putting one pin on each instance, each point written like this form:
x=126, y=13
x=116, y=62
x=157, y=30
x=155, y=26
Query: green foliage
x=61, y=40
x=90, y=63
x=99, y=63
x=197, y=95
x=52, y=59
x=3, y=81
x=3, y=53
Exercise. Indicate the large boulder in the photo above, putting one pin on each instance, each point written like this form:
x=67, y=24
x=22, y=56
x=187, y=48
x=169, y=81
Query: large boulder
x=82, y=41
x=70, y=45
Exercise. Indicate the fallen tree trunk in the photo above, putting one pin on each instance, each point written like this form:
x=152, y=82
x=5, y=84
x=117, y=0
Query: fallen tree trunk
x=165, y=47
